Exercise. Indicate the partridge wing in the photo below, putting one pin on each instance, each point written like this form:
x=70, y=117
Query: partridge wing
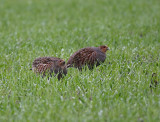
x=48, y=60
x=85, y=56
x=43, y=68
x=44, y=60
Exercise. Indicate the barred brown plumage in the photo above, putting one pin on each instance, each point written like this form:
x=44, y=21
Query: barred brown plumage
x=48, y=65
x=89, y=56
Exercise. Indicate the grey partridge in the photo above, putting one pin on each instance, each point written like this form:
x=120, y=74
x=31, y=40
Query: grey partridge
x=89, y=56
x=48, y=65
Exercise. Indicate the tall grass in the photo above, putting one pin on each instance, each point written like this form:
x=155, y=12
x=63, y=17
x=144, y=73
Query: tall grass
x=117, y=90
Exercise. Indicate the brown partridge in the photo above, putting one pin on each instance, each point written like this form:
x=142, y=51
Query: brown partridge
x=48, y=65
x=89, y=56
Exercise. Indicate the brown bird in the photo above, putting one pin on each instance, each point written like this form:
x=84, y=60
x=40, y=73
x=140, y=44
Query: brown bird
x=89, y=56
x=48, y=65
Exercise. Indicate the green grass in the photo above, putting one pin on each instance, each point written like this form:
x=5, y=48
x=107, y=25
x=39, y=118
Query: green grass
x=118, y=90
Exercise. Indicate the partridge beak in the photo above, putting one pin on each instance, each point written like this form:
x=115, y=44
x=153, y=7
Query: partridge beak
x=63, y=62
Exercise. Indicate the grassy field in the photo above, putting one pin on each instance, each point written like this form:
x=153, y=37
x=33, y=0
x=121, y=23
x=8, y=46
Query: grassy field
x=118, y=90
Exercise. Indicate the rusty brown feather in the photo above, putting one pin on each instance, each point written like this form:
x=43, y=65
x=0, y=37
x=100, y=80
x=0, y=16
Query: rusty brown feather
x=48, y=65
x=89, y=56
